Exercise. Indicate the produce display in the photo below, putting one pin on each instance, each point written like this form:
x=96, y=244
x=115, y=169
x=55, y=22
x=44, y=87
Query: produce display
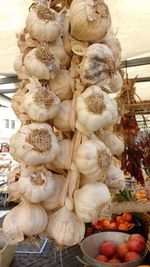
x=68, y=64
x=128, y=251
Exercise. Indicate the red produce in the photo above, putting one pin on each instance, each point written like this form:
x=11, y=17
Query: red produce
x=108, y=249
x=131, y=256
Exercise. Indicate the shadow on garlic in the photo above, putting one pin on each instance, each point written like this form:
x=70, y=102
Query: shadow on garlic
x=115, y=179
x=35, y=144
x=12, y=184
x=52, y=202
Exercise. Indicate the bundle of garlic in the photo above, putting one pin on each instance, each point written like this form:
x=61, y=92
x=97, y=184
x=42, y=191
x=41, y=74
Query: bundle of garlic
x=68, y=63
x=27, y=220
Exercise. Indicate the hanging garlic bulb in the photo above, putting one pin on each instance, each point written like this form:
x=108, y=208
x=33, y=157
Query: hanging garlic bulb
x=95, y=110
x=113, y=141
x=116, y=82
x=36, y=183
x=12, y=184
x=93, y=159
x=20, y=69
x=34, y=144
x=65, y=227
x=58, y=49
x=97, y=66
x=17, y=106
x=52, y=202
x=92, y=202
x=60, y=85
x=61, y=159
x=89, y=19
x=113, y=43
x=42, y=63
x=26, y=219
x=115, y=180
x=39, y=102
x=61, y=120
x=43, y=23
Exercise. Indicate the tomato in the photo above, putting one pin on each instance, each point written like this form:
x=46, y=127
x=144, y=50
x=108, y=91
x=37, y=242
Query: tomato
x=123, y=227
x=106, y=223
x=119, y=219
x=113, y=225
x=127, y=216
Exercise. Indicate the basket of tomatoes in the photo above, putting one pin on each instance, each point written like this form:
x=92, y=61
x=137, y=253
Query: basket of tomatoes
x=125, y=222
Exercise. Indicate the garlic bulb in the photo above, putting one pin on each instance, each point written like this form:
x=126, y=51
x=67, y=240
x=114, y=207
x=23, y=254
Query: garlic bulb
x=26, y=219
x=116, y=82
x=115, y=180
x=113, y=43
x=92, y=202
x=93, y=159
x=52, y=202
x=113, y=141
x=43, y=23
x=61, y=120
x=20, y=69
x=36, y=183
x=12, y=184
x=60, y=85
x=34, y=144
x=42, y=63
x=58, y=49
x=65, y=227
x=95, y=110
x=61, y=159
x=97, y=66
x=89, y=19
x=39, y=102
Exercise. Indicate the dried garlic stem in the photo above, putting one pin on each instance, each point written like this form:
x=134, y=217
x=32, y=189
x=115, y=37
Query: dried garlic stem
x=64, y=191
x=74, y=180
x=73, y=115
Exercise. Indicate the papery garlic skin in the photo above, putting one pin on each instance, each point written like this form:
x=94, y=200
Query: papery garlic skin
x=58, y=49
x=115, y=180
x=43, y=23
x=52, y=202
x=40, y=103
x=60, y=161
x=89, y=19
x=113, y=43
x=42, y=63
x=116, y=82
x=20, y=69
x=26, y=219
x=113, y=141
x=35, y=144
x=93, y=159
x=60, y=85
x=97, y=66
x=95, y=110
x=92, y=202
x=12, y=184
x=36, y=183
x=65, y=227
x=61, y=120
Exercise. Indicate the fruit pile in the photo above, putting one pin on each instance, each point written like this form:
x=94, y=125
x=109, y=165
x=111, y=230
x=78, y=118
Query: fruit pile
x=128, y=251
x=123, y=222
x=141, y=195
